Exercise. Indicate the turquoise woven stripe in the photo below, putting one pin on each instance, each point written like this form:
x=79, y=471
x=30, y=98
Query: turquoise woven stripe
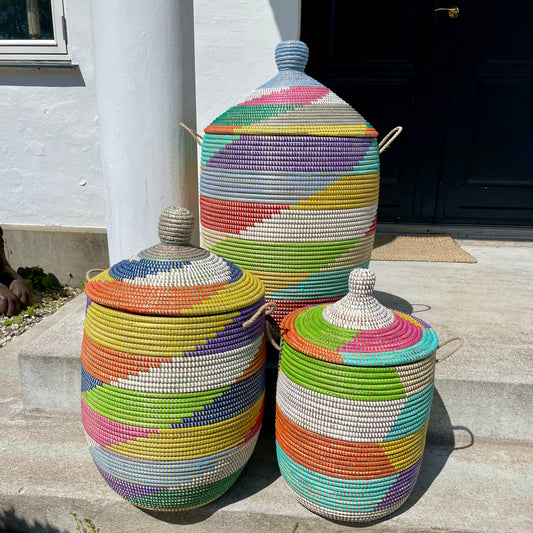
x=350, y=495
x=414, y=414
x=424, y=348
x=209, y=149
x=319, y=285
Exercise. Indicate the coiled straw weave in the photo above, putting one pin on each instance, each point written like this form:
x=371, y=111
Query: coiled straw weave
x=353, y=401
x=289, y=186
x=172, y=379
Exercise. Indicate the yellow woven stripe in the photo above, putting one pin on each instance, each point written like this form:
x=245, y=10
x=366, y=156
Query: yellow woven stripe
x=403, y=453
x=409, y=318
x=338, y=130
x=343, y=194
x=191, y=443
x=158, y=321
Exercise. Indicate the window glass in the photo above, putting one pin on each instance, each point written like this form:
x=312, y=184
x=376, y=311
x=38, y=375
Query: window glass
x=26, y=19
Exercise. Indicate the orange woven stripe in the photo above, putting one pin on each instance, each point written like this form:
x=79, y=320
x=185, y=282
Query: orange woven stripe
x=292, y=337
x=332, y=457
x=109, y=365
x=139, y=298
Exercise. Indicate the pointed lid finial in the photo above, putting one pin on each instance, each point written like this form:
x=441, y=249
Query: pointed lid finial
x=176, y=225
x=291, y=55
x=359, y=309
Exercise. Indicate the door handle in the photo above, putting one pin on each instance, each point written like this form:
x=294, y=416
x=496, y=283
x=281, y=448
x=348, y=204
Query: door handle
x=453, y=12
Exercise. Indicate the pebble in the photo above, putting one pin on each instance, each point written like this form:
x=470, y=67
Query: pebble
x=50, y=301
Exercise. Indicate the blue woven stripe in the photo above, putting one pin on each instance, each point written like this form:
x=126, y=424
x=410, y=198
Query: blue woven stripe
x=319, y=285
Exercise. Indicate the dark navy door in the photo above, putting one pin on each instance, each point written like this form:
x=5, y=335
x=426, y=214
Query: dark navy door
x=460, y=83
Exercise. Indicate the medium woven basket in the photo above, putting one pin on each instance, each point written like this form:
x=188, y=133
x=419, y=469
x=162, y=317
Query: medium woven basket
x=289, y=186
x=173, y=371
x=353, y=401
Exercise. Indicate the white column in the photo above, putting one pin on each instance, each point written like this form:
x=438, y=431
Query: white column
x=144, y=63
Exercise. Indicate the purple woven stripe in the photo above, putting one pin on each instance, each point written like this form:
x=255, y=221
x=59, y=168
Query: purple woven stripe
x=126, y=489
x=297, y=162
x=401, y=488
x=218, y=344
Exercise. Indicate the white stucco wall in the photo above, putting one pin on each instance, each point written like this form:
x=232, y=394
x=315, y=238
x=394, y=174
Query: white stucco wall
x=50, y=172
x=234, y=46
x=49, y=162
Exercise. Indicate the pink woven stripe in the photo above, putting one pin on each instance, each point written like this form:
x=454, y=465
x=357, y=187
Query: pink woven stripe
x=294, y=95
x=104, y=431
x=400, y=334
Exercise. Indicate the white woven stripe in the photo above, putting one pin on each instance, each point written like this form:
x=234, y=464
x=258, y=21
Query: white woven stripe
x=184, y=374
x=321, y=422
x=299, y=225
x=212, y=269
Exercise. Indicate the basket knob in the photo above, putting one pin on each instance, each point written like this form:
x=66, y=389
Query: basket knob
x=361, y=282
x=176, y=225
x=292, y=55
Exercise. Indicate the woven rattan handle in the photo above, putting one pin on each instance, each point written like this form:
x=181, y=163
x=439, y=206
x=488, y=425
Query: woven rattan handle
x=267, y=309
x=93, y=272
x=194, y=134
x=389, y=138
x=459, y=339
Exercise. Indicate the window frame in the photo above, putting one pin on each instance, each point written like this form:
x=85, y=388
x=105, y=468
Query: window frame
x=32, y=50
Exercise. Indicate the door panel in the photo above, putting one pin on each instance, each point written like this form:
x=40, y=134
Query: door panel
x=461, y=88
x=487, y=168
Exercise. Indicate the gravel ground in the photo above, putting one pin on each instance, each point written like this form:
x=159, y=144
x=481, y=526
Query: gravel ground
x=43, y=304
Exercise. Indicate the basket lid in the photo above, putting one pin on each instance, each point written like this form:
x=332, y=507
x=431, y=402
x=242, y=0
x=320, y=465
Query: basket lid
x=359, y=331
x=292, y=103
x=174, y=277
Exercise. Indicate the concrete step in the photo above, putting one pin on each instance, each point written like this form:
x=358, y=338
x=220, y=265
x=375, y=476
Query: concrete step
x=47, y=473
x=470, y=401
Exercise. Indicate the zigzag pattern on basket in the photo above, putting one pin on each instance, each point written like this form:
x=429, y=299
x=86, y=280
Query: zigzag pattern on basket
x=289, y=185
x=173, y=373
x=353, y=401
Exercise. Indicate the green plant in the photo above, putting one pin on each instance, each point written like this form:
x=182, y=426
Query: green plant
x=294, y=527
x=41, y=281
x=17, y=319
x=85, y=525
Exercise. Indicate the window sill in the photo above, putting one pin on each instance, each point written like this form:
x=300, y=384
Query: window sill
x=38, y=63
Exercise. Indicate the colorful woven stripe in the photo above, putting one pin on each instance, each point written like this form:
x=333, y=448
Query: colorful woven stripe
x=173, y=371
x=353, y=401
x=289, y=185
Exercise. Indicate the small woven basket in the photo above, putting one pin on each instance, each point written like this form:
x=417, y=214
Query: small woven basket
x=353, y=401
x=289, y=186
x=173, y=371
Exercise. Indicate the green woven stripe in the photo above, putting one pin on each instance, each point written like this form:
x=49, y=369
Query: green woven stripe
x=158, y=415
x=352, y=383
x=186, y=498
x=285, y=256
x=312, y=327
x=246, y=115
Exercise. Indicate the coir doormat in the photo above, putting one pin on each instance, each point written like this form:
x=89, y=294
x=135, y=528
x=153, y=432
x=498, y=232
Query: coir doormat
x=427, y=248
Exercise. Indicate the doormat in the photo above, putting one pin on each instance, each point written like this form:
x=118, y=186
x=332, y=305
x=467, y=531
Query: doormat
x=426, y=248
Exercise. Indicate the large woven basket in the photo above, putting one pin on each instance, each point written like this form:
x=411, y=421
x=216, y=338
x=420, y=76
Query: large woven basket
x=173, y=371
x=353, y=402
x=289, y=186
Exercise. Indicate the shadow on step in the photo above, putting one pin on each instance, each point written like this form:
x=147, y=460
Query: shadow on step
x=9, y=521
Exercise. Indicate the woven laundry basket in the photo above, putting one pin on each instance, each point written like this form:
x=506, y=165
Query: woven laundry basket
x=173, y=371
x=289, y=186
x=353, y=402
